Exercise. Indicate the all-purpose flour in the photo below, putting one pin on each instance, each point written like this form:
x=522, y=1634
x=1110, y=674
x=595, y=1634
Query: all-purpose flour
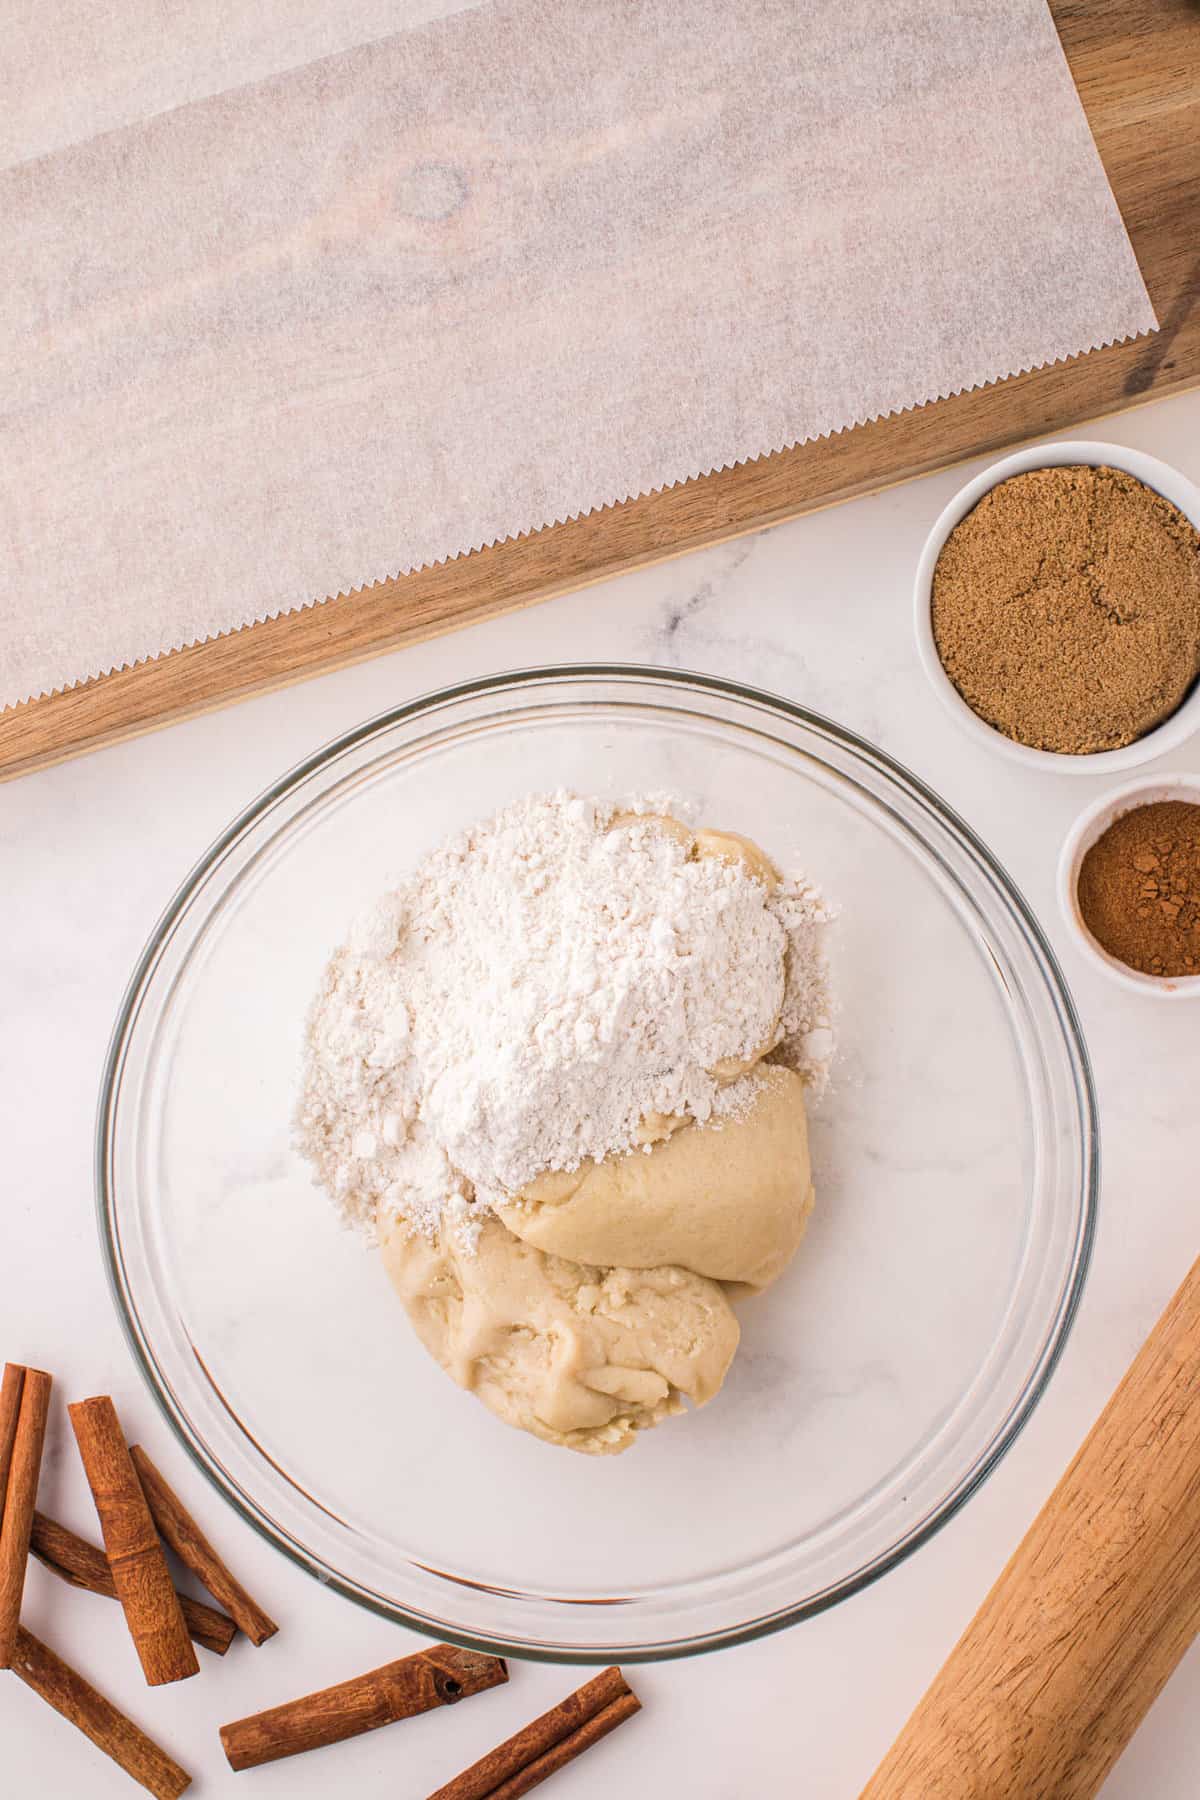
x=541, y=986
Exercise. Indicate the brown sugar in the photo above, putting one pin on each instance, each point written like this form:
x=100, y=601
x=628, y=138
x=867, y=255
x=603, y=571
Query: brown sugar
x=1139, y=888
x=1066, y=608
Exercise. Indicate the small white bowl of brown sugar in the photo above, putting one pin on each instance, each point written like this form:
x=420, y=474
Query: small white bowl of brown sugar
x=1058, y=607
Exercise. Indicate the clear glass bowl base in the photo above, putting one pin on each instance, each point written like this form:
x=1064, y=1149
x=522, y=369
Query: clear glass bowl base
x=876, y=1384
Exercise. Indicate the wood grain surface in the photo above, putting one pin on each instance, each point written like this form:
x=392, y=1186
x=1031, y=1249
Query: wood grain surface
x=1137, y=66
x=1095, y=1608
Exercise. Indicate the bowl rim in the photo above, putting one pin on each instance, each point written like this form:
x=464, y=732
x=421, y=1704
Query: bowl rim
x=1084, y=1098
x=1171, y=483
x=1090, y=825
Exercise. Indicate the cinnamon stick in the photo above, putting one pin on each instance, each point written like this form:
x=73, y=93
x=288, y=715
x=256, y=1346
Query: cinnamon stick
x=10, y=1406
x=438, y=1676
x=135, y=1556
x=85, y=1565
x=25, y=1463
x=561, y=1754
x=77, y=1700
x=549, y=1743
x=193, y=1549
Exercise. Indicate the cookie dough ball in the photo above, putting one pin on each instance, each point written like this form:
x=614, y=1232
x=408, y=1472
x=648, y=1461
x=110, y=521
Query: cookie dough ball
x=729, y=1199
x=731, y=846
x=580, y=1356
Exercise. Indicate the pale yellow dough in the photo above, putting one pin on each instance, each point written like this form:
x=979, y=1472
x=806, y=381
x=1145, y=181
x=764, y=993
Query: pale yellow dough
x=730, y=846
x=589, y=1308
x=729, y=1199
x=581, y=1356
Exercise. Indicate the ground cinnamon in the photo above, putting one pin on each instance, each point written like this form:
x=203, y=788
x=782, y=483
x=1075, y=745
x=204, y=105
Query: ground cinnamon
x=1139, y=889
x=1066, y=608
x=135, y=1556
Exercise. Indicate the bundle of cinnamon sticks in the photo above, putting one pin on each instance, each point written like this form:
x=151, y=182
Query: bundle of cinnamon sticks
x=139, y=1514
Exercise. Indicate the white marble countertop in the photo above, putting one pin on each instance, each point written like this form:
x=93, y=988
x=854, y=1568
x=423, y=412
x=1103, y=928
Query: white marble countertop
x=819, y=611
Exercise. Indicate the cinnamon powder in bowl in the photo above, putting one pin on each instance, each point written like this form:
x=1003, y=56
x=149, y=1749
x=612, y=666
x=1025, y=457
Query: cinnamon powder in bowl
x=1058, y=607
x=1139, y=888
x=1129, y=885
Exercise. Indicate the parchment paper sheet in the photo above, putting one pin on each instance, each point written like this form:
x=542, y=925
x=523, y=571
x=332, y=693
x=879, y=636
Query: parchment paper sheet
x=72, y=68
x=505, y=267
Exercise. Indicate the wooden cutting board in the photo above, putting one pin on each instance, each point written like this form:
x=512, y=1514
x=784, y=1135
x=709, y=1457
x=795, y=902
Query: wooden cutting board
x=1137, y=66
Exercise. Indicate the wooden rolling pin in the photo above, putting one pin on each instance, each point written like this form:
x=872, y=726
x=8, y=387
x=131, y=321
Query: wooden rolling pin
x=1064, y=1658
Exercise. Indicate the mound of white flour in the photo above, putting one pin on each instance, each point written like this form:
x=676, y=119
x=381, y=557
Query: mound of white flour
x=540, y=986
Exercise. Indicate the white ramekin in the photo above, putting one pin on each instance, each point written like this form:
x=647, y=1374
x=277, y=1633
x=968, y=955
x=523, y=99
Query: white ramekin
x=1091, y=824
x=1157, y=475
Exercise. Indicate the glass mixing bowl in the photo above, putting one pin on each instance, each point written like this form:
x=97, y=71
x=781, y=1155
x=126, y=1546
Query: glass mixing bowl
x=877, y=1383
